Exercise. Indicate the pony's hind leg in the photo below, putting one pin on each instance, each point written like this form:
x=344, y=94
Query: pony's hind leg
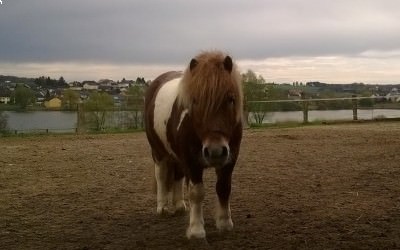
x=161, y=174
x=178, y=198
x=178, y=201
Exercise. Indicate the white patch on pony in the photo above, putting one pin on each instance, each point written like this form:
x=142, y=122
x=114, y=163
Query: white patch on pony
x=196, y=223
x=162, y=110
x=183, y=115
x=162, y=191
x=223, y=220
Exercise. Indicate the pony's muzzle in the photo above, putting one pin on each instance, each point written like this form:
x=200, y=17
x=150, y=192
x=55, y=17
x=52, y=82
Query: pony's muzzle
x=216, y=153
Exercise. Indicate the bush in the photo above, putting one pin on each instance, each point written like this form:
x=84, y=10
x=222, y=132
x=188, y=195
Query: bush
x=98, y=105
x=3, y=123
x=366, y=103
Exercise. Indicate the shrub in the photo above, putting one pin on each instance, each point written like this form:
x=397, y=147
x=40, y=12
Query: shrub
x=3, y=123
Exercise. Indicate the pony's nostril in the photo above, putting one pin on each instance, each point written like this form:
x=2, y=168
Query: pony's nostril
x=224, y=151
x=206, y=152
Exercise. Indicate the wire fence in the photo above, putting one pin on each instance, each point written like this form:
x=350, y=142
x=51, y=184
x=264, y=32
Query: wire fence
x=256, y=112
x=345, y=108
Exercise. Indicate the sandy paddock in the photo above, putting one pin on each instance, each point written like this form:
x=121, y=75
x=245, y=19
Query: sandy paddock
x=313, y=187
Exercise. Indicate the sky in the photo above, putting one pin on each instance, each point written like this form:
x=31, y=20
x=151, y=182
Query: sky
x=341, y=41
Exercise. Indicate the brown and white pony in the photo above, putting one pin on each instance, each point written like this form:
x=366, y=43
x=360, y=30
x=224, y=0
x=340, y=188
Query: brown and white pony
x=194, y=121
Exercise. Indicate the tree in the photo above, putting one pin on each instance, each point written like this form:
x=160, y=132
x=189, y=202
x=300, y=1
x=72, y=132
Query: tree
x=61, y=82
x=70, y=99
x=47, y=96
x=249, y=76
x=23, y=96
x=140, y=80
x=99, y=104
x=254, y=89
x=135, y=95
x=47, y=82
x=135, y=102
x=3, y=123
x=366, y=103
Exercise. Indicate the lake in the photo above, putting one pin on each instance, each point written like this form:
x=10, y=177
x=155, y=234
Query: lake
x=55, y=121
x=62, y=121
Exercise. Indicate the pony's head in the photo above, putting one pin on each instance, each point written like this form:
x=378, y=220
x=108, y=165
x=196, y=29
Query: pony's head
x=211, y=92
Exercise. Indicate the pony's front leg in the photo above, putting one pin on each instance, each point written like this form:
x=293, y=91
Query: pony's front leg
x=223, y=218
x=196, y=223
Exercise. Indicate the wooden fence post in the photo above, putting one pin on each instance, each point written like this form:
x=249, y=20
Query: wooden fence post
x=355, y=107
x=305, y=107
x=245, y=118
x=81, y=126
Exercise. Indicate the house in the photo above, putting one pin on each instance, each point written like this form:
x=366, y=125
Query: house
x=5, y=99
x=393, y=95
x=53, y=103
x=40, y=97
x=123, y=85
x=378, y=98
x=90, y=85
x=106, y=82
x=294, y=94
x=5, y=95
x=105, y=88
x=118, y=100
x=77, y=86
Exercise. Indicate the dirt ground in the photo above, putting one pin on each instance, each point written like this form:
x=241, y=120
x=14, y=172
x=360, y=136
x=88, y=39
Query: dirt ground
x=313, y=187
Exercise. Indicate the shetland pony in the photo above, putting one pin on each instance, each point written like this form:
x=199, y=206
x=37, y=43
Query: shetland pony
x=193, y=121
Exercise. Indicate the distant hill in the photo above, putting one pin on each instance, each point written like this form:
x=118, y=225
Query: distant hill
x=16, y=79
x=42, y=81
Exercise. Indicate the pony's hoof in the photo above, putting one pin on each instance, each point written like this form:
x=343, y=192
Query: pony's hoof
x=198, y=244
x=162, y=211
x=196, y=232
x=180, y=209
x=224, y=224
x=179, y=212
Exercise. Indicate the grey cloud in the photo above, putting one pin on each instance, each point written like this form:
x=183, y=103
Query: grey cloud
x=124, y=31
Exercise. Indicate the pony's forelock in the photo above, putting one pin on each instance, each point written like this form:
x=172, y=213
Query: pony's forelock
x=207, y=84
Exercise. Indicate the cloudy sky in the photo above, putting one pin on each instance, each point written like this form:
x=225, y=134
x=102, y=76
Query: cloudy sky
x=341, y=41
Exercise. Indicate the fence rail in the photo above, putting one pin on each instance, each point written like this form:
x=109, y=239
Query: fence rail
x=43, y=131
x=121, y=119
x=314, y=99
x=305, y=106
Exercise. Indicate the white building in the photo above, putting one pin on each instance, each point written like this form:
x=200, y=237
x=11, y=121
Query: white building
x=393, y=96
x=5, y=99
x=90, y=86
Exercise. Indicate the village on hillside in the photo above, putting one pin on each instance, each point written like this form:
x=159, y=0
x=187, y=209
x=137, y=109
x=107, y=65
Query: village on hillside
x=47, y=93
x=56, y=94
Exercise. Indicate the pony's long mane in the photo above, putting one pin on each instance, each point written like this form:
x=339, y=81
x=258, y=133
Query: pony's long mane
x=208, y=83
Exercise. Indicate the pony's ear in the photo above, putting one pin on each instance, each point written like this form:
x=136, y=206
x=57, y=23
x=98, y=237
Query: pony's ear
x=193, y=64
x=228, y=64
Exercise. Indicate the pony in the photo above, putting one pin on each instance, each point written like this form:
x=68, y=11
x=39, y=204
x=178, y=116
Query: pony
x=193, y=121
